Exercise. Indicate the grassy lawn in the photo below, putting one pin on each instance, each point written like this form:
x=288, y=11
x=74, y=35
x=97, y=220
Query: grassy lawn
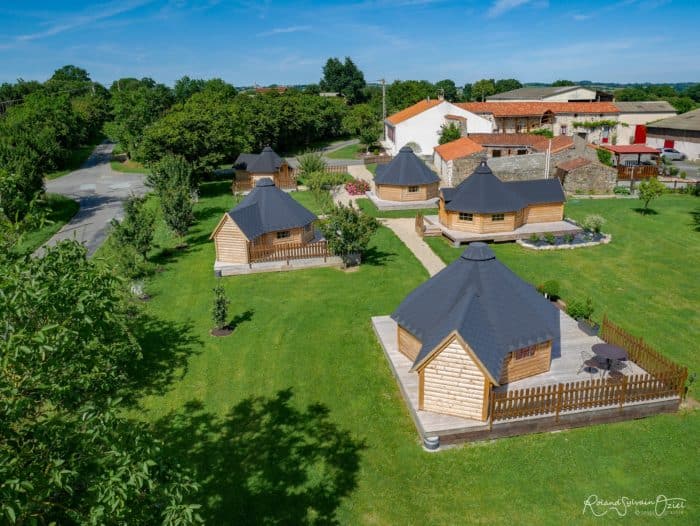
x=306, y=199
x=129, y=167
x=75, y=160
x=308, y=333
x=368, y=207
x=647, y=279
x=59, y=210
x=372, y=167
x=347, y=152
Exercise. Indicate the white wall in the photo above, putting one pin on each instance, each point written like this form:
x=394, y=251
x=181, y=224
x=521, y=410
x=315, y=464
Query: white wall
x=625, y=134
x=424, y=128
x=577, y=94
x=691, y=149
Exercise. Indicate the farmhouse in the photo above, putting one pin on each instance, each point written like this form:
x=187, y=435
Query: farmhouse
x=252, y=167
x=552, y=94
x=406, y=178
x=445, y=155
x=681, y=132
x=266, y=219
x=473, y=326
x=482, y=203
x=636, y=115
x=419, y=125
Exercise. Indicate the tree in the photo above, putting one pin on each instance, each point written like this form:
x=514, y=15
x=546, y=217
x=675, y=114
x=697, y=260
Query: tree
x=562, y=83
x=220, y=307
x=348, y=230
x=467, y=92
x=693, y=92
x=344, y=78
x=172, y=180
x=67, y=453
x=682, y=104
x=649, y=190
x=312, y=89
x=448, y=89
x=449, y=132
x=503, y=85
x=361, y=120
x=401, y=94
x=483, y=88
x=137, y=227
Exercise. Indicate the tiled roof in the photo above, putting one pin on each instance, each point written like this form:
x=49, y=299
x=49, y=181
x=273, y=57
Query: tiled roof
x=562, y=142
x=572, y=164
x=536, y=142
x=525, y=109
x=630, y=148
x=412, y=111
x=458, y=148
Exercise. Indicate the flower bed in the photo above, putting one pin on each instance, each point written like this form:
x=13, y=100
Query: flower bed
x=357, y=187
x=550, y=242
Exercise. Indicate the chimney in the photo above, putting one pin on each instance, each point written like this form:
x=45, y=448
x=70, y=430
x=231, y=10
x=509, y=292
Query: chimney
x=427, y=99
x=441, y=94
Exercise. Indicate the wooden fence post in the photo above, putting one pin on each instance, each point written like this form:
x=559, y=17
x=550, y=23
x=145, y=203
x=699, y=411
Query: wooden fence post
x=560, y=392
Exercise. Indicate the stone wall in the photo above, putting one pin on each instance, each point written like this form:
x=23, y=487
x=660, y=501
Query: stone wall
x=593, y=178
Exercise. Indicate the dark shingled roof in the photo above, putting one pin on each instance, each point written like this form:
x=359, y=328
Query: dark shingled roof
x=493, y=310
x=484, y=193
x=269, y=209
x=266, y=162
x=406, y=169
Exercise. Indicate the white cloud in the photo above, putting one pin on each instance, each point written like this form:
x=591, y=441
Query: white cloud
x=500, y=7
x=283, y=30
x=581, y=18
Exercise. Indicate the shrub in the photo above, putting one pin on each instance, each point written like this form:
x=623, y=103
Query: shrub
x=593, y=223
x=534, y=238
x=311, y=162
x=683, y=175
x=604, y=156
x=347, y=229
x=621, y=190
x=544, y=132
x=580, y=309
x=137, y=227
x=650, y=190
x=219, y=311
x=568, y=238
x=449, y=132
x=357, y=187
x=549, y=238
x=551, y=288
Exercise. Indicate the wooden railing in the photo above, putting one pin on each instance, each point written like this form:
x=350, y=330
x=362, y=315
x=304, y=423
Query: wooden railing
x=378, y=159
x=317, y=249
x=576, y=396
x=285, y=182
x=665, y=379
x=331, y=169
x=420, y=224
x=637, y=349
x=241, y=185
x=644, y=171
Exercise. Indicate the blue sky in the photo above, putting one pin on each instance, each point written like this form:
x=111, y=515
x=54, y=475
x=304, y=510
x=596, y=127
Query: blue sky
x=264, y=41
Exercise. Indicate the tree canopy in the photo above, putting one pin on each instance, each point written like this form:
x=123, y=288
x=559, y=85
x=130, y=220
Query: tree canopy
x=343, y=77
x=562, y=83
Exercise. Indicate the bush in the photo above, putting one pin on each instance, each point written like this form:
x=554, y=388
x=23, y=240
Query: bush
x=534, y=238
x=311, y=162
x=621, y=190
x=348, y=230
x=357, y=187
x=593, y=223
x=580, y=309
x=544, y=132
x=604, y=156
x=219, y=311
x=550, y=288
x=650, y=190
x=683, y=175
x=549, y=238
x=568, y=238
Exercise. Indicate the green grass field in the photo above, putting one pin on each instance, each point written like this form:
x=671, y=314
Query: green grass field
x=59, y=210
x=368, y=207
x=129, y=167
x=346, y=152
x=308, y=333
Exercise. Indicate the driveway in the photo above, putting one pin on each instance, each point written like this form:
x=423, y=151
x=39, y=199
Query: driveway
x=689, y=167
x=294, y=163
x=101, y=194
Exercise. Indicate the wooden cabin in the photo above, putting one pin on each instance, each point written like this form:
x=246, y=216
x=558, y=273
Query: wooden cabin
x=484, y=204
x=472, y=327
x=252, y=167
x=406, y=178
x=266, y=217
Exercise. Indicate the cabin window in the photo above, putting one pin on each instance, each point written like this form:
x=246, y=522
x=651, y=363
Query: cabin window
x=466, y=216
x=283, y=234
x=522, y=152
x=495, y=153
x=498, y=217
x=526, y=352
x=412, y=189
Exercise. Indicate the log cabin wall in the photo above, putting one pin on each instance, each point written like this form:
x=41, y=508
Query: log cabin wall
x=480, y=223
x=296, y=236
x=230, y=242
x=400, y=193
x=544, y=213
x=451, y=383
x=517, y=368
x=409, y=345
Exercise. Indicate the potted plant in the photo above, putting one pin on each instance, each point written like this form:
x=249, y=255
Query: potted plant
x=582, y=310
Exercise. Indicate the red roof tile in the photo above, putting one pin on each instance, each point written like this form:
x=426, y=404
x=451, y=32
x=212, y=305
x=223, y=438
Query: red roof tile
x=630, y=148
x=412, y=111
x=457, y=149
x=523, y=109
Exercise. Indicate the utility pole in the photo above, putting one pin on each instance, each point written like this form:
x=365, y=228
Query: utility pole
x=384, y=107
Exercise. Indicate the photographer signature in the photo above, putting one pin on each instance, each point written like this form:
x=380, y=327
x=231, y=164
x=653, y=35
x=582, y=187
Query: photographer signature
x=661, y=505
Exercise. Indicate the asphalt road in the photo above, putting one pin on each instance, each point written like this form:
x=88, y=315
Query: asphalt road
x=101, y=194
x=692, y=169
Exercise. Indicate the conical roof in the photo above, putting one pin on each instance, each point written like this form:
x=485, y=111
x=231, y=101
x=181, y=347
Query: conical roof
x=266, y=162
x=491, y=308
x=406, y=169
x=483, y=193
x=269, y=209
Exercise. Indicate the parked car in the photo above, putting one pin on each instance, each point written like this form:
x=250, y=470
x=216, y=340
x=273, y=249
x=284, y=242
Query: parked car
x=672, y=154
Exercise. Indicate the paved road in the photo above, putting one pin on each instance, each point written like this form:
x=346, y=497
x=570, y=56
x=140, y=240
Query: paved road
x=331, y=148
x=690, y=168
x=101, y=194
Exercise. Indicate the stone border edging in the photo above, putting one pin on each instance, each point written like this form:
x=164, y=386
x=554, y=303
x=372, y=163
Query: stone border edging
x=606, y=239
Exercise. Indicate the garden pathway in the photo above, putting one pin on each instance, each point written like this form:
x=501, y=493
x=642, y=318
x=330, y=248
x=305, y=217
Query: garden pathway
x=406, y=230
x=357, y=171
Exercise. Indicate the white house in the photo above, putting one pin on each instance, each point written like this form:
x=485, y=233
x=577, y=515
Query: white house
x=681, y=132
x=418, y=126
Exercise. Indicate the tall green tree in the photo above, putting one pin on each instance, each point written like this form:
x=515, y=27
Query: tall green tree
x=562, y=83
x=483, y=88
x=503, y=85
x=448, y=89
x=467, y=92
x=343, y=77
x=173, y=181
x=67, y=453
x=402, y=94
x=138, y=226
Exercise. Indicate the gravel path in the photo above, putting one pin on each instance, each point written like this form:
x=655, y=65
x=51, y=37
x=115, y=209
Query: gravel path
x=405, y=229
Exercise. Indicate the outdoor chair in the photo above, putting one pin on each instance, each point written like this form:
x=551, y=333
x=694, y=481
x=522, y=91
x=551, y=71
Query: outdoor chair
x=589, y=363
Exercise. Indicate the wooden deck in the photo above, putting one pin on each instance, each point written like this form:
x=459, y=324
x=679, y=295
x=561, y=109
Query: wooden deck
x=565, y=367
x=459, y=237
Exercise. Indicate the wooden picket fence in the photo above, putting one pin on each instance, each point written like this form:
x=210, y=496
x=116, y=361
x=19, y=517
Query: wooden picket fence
x=285, y=182
x=331, y=169
x=317, y=249
x=665, y=380
x=377, y=159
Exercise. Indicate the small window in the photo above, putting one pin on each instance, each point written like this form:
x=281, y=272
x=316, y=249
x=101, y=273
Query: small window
x=496, y=153
x=466, y=216
x=526, y=352
x=498, y=217
x=413, y=189
x=283, y=234
x=522, y=152
x=564, y=130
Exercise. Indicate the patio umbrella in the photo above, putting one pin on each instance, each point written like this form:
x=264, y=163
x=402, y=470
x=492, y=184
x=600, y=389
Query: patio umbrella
x=609, y=351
